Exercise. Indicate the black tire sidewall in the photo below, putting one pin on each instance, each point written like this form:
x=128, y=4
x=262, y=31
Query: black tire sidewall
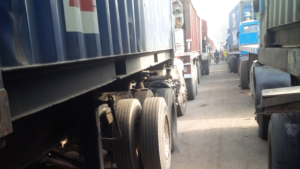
x=190, y=86
x=285, y=148
x=169, y=97
x=244, y=77
x=152, y=139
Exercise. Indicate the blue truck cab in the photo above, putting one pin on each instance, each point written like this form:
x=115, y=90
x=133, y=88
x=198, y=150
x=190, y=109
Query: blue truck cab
x=248, y=35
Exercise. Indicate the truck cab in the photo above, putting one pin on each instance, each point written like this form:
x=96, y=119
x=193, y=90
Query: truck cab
x=248, y=35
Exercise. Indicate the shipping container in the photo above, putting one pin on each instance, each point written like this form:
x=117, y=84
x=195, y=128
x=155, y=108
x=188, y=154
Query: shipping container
x=61, y=60
x=279, y=28
x=191, y=27
x=243, y=11
x=43, y=32
x=53, y=33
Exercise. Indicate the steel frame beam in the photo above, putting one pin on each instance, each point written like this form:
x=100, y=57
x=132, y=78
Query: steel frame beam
x=284, y=59
x=36, y=88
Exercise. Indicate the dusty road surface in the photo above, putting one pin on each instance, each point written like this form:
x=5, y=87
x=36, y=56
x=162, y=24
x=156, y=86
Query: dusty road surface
x=219, y=130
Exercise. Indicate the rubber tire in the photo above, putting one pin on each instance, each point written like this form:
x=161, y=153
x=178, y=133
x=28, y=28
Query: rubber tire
x=203, y=68
x=191, y=89
x=283, y=148
x=152, y=135
x=199, y=72
x=181, y=109
x=142, y=95
x=128, y=112
x=232, y=65
x=244, y=77
x=169, y=97
x=263, y=123
x=207, y=69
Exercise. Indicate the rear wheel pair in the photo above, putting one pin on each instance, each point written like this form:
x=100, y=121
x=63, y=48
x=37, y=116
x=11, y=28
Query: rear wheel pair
x=205, y=69
x=284, y=141
x=232, y=65
x=146, y=135
x=244, y=74
x=192, y=88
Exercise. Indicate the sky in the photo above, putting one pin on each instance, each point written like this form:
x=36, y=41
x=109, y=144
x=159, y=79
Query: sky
x=216, y=12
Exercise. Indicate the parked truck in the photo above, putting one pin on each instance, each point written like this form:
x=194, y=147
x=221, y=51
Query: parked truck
x=205, y=60
x=187, y=40
x=242, y=12
x=248, y=36
x=89, y=82
x=275, y=81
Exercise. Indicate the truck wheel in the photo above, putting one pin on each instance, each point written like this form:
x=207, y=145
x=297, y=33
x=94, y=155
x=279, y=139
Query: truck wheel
x=263, y=123
x=244, y=75
x=169, y=97
x=199, y=72
x=181, y=108
x=155, y=135
x=232, y=65
x=207, y=69
x=284, y=141
x=191, y=89
x=142, y=95
x=126, y=150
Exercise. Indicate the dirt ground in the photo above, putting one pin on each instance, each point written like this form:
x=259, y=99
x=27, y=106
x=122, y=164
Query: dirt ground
x=219, y=130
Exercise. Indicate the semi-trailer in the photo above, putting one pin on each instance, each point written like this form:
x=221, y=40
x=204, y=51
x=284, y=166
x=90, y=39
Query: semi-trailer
x=188, y=42
x=275, y=80
x=248, y=36
x=205, y=60
x=94, y=79
x=242, y=12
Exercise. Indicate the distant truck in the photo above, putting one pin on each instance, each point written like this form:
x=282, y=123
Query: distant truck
x=242, y=12
x=188, y=43
x=275, y=80
x=205, y=60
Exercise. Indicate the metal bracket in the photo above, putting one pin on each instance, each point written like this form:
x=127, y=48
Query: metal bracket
x=110, y=103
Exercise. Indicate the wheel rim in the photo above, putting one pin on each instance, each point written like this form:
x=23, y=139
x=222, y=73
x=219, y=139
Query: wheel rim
x=166, y=138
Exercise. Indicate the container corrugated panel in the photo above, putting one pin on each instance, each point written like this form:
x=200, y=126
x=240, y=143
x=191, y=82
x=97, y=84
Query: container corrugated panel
x=55, y=31
x=283, y=12
x=243, y=11
x=192, y=26
x=281, y=18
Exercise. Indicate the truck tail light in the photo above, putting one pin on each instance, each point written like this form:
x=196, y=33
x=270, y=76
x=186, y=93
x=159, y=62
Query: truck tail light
x=187, y=69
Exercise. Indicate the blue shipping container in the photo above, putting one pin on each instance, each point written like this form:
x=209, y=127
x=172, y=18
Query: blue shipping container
x=243, y=11
x=55, y=31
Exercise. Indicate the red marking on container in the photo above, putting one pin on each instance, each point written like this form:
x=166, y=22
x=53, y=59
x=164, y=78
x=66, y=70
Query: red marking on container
x=84, y=5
